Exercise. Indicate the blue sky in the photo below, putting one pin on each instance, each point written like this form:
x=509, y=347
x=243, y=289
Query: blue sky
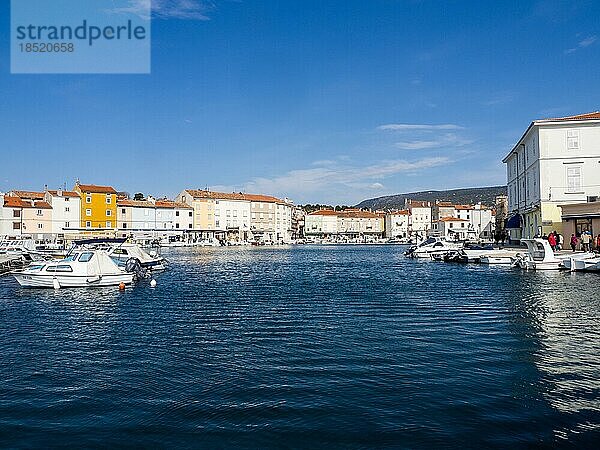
x=320, y=101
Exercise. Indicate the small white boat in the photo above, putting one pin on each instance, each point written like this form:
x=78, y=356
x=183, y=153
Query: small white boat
x=587, y=261
x=80, y=269
x=539, y=256
x=504, y=260
x=433, y=248
x=123, y=253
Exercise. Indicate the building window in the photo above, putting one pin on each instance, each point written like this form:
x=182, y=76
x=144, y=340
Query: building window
x=40, y=226
x=67, y=209
x=67, y=225
x=88, y=212
x=108, y=213
x=176, y=225
x=108, y=199
x=16, y=226
x=39, y=212
x=573, y=139
x=177, y=213
x=124, y=225
x=190, y=214
x=16, y=213
x=573, y=179
x=88, y=224
x=67, y=199
x=88, y=199
x=108, y=224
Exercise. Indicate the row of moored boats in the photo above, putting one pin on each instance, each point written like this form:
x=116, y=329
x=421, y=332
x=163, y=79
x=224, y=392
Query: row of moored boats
x=539, y=255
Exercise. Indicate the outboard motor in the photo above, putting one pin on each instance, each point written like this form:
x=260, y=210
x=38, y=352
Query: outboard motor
x=133, y=265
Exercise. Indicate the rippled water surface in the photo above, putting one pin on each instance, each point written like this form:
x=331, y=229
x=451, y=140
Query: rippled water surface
x=347, y=347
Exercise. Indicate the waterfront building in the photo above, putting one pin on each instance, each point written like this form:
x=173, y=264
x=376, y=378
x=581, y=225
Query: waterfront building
x=239, y=216
x=351, y=223
x=66, y=211
x=298, y=222
x=555, y=162
x=322, y=223
x=454, y=228
x=397, y=224
x=28, y=214
x=98, y=207
x=580, y=217
x=354, y=223
x=420, y=217
x=152, y=215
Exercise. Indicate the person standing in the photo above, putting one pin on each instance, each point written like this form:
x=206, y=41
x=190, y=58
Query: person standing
x=559, y=241
x=552, y=241
x=573, y=242
x=598, y=243
x=585, y=241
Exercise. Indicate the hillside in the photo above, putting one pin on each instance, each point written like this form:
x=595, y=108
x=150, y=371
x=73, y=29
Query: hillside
x=484, y=195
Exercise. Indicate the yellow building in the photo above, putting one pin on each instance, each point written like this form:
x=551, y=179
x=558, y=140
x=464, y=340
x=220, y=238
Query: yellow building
x=98, y=206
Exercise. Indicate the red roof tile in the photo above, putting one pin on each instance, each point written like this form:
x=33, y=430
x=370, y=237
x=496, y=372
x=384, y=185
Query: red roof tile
x=64, y=193
x=29, y=195
x=197, y=193
x=586, y=116
x=95, y=189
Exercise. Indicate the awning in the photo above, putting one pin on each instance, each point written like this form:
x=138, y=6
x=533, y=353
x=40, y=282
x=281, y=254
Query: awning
x=515, y=221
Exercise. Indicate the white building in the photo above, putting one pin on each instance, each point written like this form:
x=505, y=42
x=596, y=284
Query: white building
x=555, y=162
x=152, y=215
x=455, y=229
x=321, y=223
x=397, y=224
x=420, y=217
x=66, y=211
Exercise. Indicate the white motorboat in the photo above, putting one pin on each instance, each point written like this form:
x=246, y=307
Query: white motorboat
x=432, y=248
x=587, y=261
x=539, y=256
x=123, y=253
x=497, y=259
x=79, y=269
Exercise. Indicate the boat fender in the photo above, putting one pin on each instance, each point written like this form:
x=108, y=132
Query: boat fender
x=133, y=265
x=55, y=284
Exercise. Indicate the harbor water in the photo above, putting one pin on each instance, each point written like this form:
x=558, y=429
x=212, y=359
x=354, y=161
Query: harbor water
x=305, y=347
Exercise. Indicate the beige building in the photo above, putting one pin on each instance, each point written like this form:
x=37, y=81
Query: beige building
x=397, y=224
x=580, y=217
x=30, y=214
x=239, y=216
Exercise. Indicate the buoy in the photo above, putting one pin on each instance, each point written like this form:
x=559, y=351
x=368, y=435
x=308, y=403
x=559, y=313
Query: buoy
x=55, y=283
x=121, y=286
x=153, y=283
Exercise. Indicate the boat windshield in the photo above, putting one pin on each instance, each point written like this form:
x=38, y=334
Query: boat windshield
x=73, y=257
x=86, y=256
x=427, y=242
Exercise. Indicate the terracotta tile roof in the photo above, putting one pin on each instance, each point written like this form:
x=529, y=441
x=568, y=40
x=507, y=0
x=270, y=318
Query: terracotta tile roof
x=96, y=189
x=64, y=193
x=464, y=207
x=358, y=214
x=197, y=193
x=15, y=202
x=29, y=195
x=452, y=219
x=41, y=205
x=418, y=204
x=161, y=204
x=586, y=116
x=324, y=212
x=10, y=201
x=402, y=212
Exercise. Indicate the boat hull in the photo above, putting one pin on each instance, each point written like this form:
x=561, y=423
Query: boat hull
x=66, y=281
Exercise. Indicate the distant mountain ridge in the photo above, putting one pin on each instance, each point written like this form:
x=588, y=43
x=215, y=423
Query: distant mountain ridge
x=485, y=195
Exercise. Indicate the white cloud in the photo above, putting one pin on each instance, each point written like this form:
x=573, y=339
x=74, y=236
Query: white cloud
x=418, y=127
x=582, y=44
x=446, y=140
x=168, y=9
x=337, y=182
